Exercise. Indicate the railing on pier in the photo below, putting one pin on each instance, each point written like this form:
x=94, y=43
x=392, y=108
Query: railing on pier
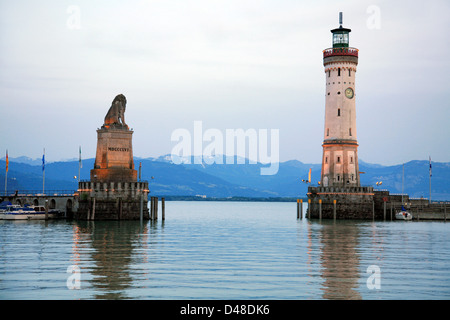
x=38, y=193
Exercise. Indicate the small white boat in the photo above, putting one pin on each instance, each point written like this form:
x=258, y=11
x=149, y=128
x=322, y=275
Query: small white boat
x=403, y=215
x=16, y=212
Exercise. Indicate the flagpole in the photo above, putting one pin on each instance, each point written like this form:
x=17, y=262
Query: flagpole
x=403, y=177
x=429, y=201
x=43, y=173
x=6, y=174
x=79, y=165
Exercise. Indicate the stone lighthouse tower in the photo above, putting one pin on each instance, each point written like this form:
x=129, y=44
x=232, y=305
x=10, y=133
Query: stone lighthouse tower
x=340, y=194
x=340, y=156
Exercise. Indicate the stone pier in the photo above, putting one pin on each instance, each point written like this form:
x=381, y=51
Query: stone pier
x=348, y=202
x=113, y=200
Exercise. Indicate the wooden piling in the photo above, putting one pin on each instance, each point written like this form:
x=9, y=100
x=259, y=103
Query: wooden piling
x=384, y=211
x=141, y=211
x=391, y=211
x=152, y=207
x=334, y=209
x=163, y=208
x=320, y=209
x=156, y=208
x=89, y=210
x=93, y=210
x=301, y=208
x=46, y=209
x=309, y=208
x=298, y=208
x=120, y=208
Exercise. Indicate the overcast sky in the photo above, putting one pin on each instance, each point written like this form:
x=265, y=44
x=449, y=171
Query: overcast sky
x=230, y=64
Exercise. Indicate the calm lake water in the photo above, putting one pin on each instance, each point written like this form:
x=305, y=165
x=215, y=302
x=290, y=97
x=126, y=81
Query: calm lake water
x=225, y=250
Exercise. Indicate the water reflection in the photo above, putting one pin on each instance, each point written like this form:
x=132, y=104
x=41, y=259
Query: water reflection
x=109, y=245
x=339, y=259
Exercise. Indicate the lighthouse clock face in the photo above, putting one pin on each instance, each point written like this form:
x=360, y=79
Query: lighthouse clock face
x=349, y=93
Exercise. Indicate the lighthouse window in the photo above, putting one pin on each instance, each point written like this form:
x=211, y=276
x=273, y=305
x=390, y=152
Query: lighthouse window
x=328, y=132
x=338, y=178
x=329, y=72
x=338, y=159
x=326, y=159
x=350, y=131
x=349, y=72
x=352, y=178
x=339, y=72
x=339, y=113
x=351, y=161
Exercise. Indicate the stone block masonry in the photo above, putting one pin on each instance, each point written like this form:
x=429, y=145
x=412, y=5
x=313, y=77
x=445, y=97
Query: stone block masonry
x=340, y=202
x=112, y=200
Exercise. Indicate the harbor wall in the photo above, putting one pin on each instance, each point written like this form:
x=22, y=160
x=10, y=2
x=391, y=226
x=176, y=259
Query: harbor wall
x=365, y=203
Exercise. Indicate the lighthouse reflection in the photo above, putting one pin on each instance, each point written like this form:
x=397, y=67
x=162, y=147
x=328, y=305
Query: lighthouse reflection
x=111, y=252
x=339, y=259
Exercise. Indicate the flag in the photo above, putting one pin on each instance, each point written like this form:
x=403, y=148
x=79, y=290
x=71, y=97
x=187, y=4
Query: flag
x=7, y=161
x=430, y=166
x=81, y=164
x=43, y=161
x=309, y=176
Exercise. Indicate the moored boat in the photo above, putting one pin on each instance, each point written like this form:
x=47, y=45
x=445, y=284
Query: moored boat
x=403, y=215
x=16, y=212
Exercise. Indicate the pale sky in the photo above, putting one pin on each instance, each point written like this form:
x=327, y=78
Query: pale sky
x=230, y=64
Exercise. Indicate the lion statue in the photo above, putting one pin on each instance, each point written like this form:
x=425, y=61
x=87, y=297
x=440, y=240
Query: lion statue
x=116, y=113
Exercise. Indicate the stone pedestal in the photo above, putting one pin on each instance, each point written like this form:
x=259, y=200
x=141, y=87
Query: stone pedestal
x=114, y=157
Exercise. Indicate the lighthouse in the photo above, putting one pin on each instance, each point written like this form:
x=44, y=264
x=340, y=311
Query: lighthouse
x=340, y=147
x=340, y=194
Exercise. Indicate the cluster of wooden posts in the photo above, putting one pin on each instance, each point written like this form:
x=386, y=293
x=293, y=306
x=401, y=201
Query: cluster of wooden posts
x=154, y=208
x=300, y=208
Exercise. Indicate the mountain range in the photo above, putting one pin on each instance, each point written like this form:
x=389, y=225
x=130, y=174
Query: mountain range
x=229, y=180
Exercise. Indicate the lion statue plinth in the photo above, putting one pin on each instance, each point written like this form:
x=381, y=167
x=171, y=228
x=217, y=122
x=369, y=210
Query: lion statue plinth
x=116, y=113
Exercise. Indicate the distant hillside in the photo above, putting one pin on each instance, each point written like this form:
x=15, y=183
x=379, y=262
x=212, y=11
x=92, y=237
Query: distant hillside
x=230, y=180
